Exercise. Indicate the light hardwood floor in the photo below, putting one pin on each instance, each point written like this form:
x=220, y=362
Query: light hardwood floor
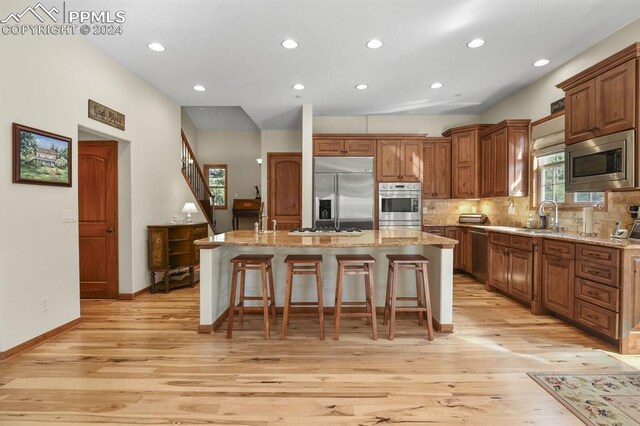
x=141, y=362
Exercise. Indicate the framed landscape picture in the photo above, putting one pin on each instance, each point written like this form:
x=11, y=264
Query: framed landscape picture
x=40, y=158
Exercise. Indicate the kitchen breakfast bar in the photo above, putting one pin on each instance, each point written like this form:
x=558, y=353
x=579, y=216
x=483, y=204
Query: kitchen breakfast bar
x=217, y=251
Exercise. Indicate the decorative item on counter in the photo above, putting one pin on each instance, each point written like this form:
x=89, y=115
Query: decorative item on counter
x=587, y=221
x=257, y=192
x=256, y=227
x=633, y=211
x=618, y=232
x=531, y=221
x=543, y=221
x=188, y=209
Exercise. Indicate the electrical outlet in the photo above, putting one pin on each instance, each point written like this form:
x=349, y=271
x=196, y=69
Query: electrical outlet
x=44, y=307
x=69, y=216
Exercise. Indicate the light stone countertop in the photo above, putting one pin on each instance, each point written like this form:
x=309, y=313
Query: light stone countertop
x=386, y=238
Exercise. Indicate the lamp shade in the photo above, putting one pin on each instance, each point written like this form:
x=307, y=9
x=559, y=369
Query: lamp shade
x=189, y=208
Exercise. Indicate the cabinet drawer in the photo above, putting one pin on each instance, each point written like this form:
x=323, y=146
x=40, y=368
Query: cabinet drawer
x=500, y=239
x=558, y=248
x=328, y=147
x=199, y=232
x=522, y=243
x=598, y=294
x=362, y=148
x=596, y=254
x=436, y=230
x=599, y=273
x=597, y=318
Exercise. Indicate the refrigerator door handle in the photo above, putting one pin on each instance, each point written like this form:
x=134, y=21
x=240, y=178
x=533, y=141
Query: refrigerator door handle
x=337, y=192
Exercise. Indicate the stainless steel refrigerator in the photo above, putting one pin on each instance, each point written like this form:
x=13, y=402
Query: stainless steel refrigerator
x=343, y=192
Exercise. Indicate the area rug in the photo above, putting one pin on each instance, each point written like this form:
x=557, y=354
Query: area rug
x=596, y=399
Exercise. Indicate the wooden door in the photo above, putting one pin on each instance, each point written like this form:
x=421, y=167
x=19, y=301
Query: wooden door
x=284, y=182
x=500, y=163
x=486, y=150
x=428, y=170
x=520, y=274
x=616, y=99
x=580, y=112
x=558, y=285
x=98, y=219
x=442, y=170
x=454, y=233
x=388, y=160
x=359, y=148
x=463, y=176
x=499, y=270
x=410, y=161
x=328, y=147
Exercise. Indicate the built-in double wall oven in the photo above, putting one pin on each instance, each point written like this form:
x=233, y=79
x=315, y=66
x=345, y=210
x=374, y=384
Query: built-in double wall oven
x=399, y=205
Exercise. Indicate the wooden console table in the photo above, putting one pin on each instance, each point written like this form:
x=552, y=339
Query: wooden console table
x=170, y=250
x=245, y=208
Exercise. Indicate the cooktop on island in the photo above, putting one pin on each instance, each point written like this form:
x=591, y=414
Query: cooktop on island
x=327, y=230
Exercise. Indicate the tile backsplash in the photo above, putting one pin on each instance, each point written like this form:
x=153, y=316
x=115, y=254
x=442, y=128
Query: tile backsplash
x=446, y=212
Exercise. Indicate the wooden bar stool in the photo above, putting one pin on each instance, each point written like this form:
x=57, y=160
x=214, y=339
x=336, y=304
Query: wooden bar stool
x=302, y=264
x=417, y=263
x=242, y=264
x=356, y=264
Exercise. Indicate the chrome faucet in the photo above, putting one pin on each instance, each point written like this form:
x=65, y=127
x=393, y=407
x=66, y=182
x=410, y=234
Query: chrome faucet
x=556, y=225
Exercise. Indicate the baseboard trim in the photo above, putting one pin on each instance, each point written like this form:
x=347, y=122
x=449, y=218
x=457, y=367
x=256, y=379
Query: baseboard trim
x=210, y=328
x=205, y=328
x=132, y=296
x=38, y=340
x=442, y=328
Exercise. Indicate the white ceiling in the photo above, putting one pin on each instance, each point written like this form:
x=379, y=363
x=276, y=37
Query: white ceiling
x=221, y=118
x=232, y=47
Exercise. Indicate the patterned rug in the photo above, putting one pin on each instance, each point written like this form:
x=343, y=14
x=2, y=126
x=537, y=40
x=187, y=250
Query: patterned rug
x=597, y=399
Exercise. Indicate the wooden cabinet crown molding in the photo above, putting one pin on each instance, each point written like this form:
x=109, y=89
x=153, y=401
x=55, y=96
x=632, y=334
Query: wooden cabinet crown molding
x=619, y=58
x=468, y=128
x=370, y=136
x=505, y=123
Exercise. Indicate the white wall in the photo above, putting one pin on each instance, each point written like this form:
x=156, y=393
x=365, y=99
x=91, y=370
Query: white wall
x=307, y=166
x=239, y=151
x=432, y=125
x=276, y=141
x=46, y=85
x=190, y=130
x=534, y=100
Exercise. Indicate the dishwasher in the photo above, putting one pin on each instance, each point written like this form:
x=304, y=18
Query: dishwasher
x=480, y=249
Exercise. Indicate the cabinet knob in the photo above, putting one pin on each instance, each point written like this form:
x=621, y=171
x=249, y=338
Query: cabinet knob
x=109, y=230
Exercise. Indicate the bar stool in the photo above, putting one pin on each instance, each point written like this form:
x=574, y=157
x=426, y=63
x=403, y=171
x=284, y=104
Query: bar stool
x=242, y=264
x=302, y=264
x=417, y=263
x=356, y=264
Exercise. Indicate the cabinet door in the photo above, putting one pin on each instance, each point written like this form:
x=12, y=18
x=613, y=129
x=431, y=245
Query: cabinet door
x=411, y=161
x=328, y=147
x=454, y=233
x=464, y=177
x=500, y=163
x=359, y=148
x=486, y=150
x=467, y=253
x=428, y=171
x=442, y=170
x=499, y=270
x=616, y=99
x=558, y=285
x=521, y=274
x=388, y=160
x=517, y=178
x=580, y=112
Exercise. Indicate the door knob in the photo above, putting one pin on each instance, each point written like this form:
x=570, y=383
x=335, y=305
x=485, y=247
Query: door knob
x=109, y=230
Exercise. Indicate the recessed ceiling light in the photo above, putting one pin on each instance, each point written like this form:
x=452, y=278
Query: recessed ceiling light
x=289, y=44
x=156, y=47
x=199, y=88
x=361, y=86
x=436, y=85
x=540, y=62
x=374, y=44
x=475, y=43
x=298, y=86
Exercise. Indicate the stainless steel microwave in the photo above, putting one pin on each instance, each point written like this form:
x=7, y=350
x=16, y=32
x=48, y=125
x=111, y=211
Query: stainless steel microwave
x=603, y=163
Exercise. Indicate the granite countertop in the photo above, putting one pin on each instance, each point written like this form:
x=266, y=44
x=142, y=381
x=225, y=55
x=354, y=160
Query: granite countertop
x=564, y=236
x=386, y=238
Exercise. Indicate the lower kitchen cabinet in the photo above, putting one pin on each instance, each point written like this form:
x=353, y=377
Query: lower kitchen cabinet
x=520, y=274
x=454, y=233
x=511, y=267
x=558, y=284
x=498, y=276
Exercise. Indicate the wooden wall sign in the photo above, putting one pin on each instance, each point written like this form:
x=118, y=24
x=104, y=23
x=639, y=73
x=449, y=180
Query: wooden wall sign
x=557, y=105
x=106, y=115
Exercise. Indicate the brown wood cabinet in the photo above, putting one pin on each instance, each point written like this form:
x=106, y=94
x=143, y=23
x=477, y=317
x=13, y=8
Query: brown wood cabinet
x=455, y=233
x=465, y=160
x=511, y=265
x=170, y=250
x=341, y=147
x=398, y=160
x=602, y=104
x=436, y=173
x=558, y=284
x=505, y=153
x=498, y=275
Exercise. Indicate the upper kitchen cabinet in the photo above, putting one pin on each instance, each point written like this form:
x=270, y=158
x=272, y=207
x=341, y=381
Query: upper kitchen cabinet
x=504, y=151
x=399, y=160
x=602, y=99
x=465, y=162
x=343, y=146
x=436, y=168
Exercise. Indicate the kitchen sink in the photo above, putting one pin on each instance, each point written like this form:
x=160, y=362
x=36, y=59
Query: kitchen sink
x=537, y=231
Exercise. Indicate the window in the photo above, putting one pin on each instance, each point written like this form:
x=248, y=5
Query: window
x=216, y=174
x=549, y=185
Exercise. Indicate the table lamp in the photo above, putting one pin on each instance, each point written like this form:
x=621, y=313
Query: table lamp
x=188, y=209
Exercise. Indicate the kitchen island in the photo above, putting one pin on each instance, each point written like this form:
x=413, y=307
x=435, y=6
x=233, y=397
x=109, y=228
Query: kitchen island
x=215, y=269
